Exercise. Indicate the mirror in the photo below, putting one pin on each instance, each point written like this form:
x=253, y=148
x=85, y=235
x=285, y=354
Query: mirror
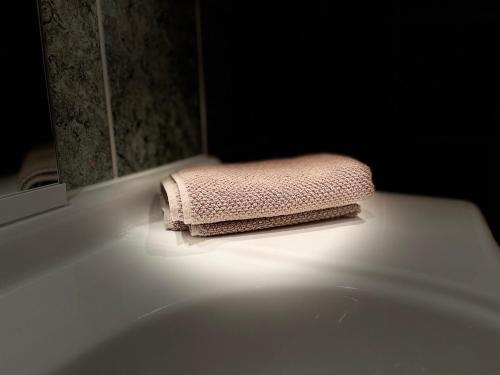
x=27, y=147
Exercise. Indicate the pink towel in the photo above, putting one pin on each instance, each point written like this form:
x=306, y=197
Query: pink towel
x=218, y=199
x=39, y=168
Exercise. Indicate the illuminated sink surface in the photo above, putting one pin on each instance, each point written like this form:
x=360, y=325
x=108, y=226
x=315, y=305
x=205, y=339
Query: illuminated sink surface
x=99, y=287
x=304, y=331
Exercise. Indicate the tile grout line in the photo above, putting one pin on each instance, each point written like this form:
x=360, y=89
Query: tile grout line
x=107, y=90
x=201, y=80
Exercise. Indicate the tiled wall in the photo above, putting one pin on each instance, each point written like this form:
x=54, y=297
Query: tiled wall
x=123, y=82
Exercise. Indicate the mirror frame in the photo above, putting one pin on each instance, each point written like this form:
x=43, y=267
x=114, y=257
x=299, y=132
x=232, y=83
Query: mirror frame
x=17, y=206
x=21, y=204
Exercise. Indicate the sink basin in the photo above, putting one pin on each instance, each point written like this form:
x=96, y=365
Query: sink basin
x=313, y=330
x=99, y=287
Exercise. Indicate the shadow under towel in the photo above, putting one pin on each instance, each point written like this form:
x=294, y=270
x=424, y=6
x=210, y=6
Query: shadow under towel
x=210, y=200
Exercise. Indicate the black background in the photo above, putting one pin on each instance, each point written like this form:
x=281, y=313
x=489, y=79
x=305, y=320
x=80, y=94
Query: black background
x=410, y=88
x=24, y=106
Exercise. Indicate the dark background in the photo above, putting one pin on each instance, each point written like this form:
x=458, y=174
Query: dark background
x=410, y=88
x=24, y=105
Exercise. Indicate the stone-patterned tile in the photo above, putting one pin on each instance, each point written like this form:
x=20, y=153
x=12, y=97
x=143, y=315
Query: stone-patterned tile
x=75, y=82
x=152, y=67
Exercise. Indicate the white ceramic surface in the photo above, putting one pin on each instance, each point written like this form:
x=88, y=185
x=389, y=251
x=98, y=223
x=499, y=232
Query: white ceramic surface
x=410, y=287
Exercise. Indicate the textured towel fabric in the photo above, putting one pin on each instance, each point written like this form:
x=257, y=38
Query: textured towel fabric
x=217, y=199
x=39, y=168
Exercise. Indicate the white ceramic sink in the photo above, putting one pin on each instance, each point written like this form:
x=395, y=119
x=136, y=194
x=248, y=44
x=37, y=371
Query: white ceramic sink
x=410, y=287
x=308, y=330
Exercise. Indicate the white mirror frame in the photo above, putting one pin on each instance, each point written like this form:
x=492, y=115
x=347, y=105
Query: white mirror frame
x=31, y=202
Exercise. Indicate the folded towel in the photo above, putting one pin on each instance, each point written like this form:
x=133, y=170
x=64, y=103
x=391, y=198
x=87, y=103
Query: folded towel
x=218, y=199
x=39, y=168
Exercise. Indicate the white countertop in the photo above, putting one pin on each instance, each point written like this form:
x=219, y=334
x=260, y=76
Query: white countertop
x=78, y=275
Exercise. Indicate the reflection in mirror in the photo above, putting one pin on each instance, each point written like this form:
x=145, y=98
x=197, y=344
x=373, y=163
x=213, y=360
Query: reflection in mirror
x=27, y=153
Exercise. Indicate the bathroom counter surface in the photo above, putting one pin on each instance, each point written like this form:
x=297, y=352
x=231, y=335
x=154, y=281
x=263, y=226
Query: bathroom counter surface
x=78, y=276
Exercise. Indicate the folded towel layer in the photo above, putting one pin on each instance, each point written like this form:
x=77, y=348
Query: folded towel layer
x=39, y=168
x=226, y=198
